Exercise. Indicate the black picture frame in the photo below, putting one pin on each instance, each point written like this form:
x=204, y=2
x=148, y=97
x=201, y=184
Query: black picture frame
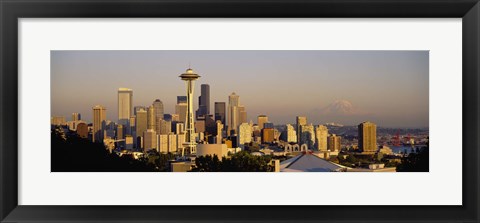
x=12, y=10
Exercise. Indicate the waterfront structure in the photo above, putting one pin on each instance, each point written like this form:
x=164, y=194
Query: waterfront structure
x=321, y=135
x=367, y=137
x=99, y=123
x=301, y=121
x=125, y=96
x=334, y=143
x=140, y=125
x=158, y=105
x=76, y=116
x=149, y=140
x=244, y=134
x=233, y=116
x=308, y=135
x=189, y=77
x=151, y=118
x=261, y=119
x=220, y=111
x=203, y=101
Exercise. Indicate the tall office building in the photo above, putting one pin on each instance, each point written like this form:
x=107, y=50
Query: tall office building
x=334, y=143
x=151, y=118
x=181, y=110
x=321, y=134
x=220, y=112
x=261, y=119
x=301, y=121
x=242, y=114
x=76, y=116
x=99, y=123
x=233, y=114
x=158, y=105
x=138, y=108
x=367, y=137
x=268, y=135
x=58, y=120
x=163, y=126
x=125, y=96
x=189, y=77
x=204, y=101
x=149, y=140
x=140, y=125
x=308, y=135
x=291, y=134
x=244, y=134
x=131, y=129
x=120, y=132
x=181, y=99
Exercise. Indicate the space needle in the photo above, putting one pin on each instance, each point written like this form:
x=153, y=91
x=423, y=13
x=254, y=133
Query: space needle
x=189, y=77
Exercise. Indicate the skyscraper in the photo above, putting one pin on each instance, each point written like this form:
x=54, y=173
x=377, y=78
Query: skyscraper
x=233, y=114
x=334, y=143
x=242, y=114
x=308, y=135
x=181, y=109
x=321, y=134
x=301, y=121
x=76, y=116
x=220, y=112
x=204, y=101
x=151, y=117
x=367, y=137
x=244, y=134
x=149, y=140
x=261, y=119
x=181, y=99
x=291, y=134
x=99, y=123
x=125, y=96
x=137, y=108
x=189, y=77
x=158, y=105
x=140, y=125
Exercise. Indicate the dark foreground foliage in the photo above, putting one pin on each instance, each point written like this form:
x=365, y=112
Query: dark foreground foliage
x=415, y=162
x=239, y=162
x=71, y=153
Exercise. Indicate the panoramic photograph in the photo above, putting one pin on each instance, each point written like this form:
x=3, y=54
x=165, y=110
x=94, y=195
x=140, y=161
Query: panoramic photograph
x=239, y=111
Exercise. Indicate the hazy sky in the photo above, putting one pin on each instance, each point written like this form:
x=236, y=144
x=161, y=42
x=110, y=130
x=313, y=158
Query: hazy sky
x=389, y=88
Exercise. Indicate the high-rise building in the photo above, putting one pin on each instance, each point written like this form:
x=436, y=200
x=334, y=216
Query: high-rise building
x=220, y=112
x=301, y=121
x=189, y=77
x=290, y=133
x=158, y=105
x=308, y=135
x=233, y=113
x=268, y=135
x=242, y=114
x=58, y=120
x=82, y=130
x=334, y=143
x=321, y=134
x=244, y=134
x=203, y=101
x=181, y=109
x=120, y=130
x=182, y=99
x=99, y=123
x=163, y=126
x=151, y=118
x=125, y=96
x=138, y=108
x=76, y=117
x=140, y=125
x=149, y=140
x=367, y=137
x=261, y=119
x=131, y=129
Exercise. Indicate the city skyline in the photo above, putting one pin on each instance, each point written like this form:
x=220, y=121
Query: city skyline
x=389, y=88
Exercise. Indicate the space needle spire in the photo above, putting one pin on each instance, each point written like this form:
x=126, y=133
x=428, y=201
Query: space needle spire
x=189, y=77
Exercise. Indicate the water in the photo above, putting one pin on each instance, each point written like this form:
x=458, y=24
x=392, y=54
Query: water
x=398, y=149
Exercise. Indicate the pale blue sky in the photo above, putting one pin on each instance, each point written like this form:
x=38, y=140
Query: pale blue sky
x=387, y=87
